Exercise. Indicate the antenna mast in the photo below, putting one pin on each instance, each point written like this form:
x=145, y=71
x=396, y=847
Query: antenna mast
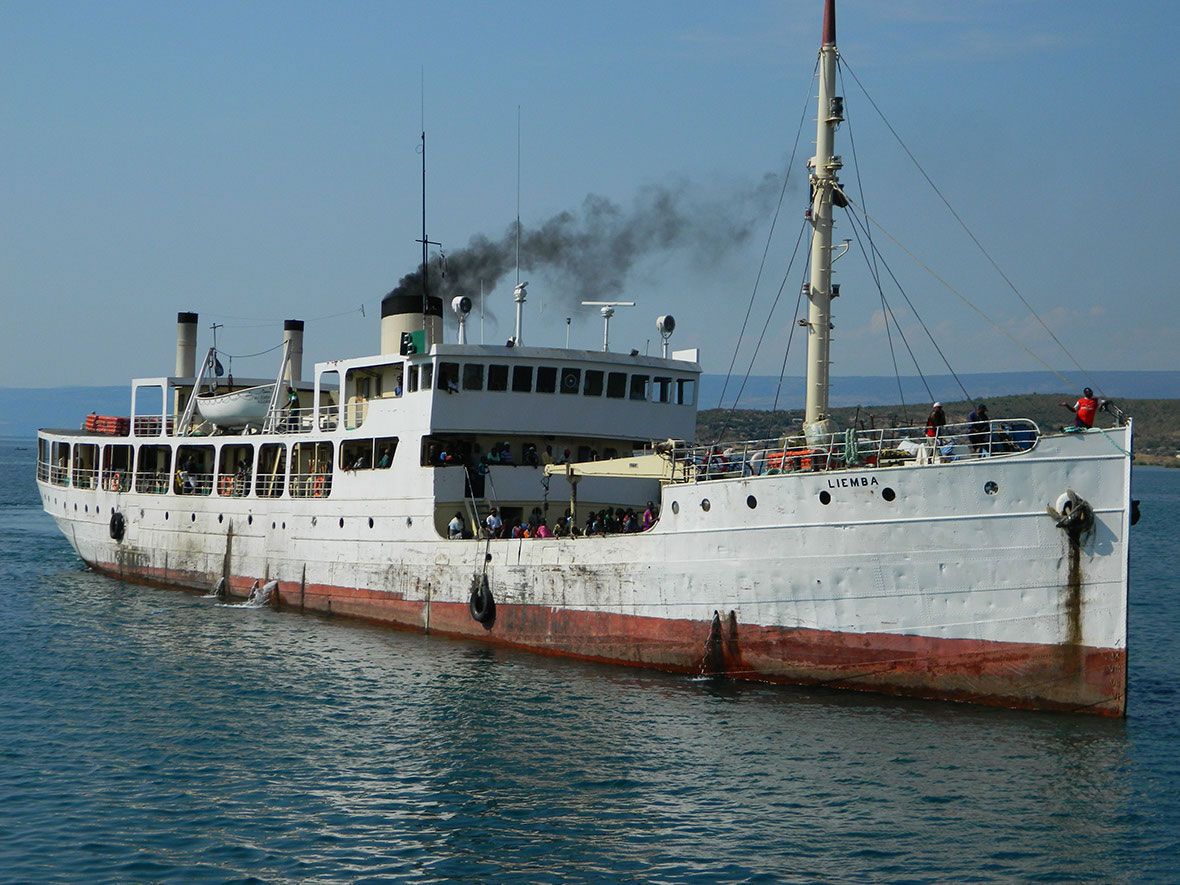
x=824, y=166
x=425, y=241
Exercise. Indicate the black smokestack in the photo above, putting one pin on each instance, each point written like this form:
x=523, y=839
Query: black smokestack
x=589, y=252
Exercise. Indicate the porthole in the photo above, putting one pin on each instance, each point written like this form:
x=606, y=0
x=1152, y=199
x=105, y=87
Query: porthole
x=990, y=487
x=273, y=525
x=314, y=521
x=370, y=522
x=165, y=514
x=250, y=519
x=705, y=505
x=140, y=512
x=113, y=512
x=220, y=517
x=888, y=494
x=342, y=522
x=825, y=498
x=86, y=508
x=409, y=520
x=192, y=517
x=751, y=502
x=75, y=508
x=284, y=526
x=675, y=506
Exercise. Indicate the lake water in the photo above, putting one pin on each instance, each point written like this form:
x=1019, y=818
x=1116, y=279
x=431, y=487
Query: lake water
x=152, y=735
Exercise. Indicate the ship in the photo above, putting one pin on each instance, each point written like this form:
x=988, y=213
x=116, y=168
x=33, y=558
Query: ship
x=983, y=563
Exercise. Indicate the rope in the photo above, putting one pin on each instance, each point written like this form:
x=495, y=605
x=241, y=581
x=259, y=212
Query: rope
x=873, y=269
x=765, y=326
x=766, y=250
x=790, y=337
x=246, y=356
x=863, y=225
x=967, y=301
x=968, y=231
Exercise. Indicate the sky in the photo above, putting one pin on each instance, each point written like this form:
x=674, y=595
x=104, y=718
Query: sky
x=256, y=162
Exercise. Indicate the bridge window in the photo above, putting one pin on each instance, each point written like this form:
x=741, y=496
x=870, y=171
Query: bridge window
x=686, y=391
x=593, y=383
x=663, y=390
x=448, y=376
x=368, y=454
x=616, y=385
x=272, y=470
x=497, y=377
x=427, y=378
x=473, y=376
x=570, y=380
x=639, y=385
x=522, y=379
x=546, y=379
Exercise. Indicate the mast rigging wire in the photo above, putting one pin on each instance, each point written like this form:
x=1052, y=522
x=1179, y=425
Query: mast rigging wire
x=862, y=225
x=969, y=232
x=873, y=269
x=766, y=249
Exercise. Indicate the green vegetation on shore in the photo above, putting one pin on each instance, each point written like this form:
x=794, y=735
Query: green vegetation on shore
x=1157, y=421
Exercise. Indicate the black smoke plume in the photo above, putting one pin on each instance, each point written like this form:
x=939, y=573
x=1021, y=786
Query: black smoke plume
x=588, y=253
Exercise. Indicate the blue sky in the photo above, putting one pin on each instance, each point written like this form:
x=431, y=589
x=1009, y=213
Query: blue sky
x=256, y=161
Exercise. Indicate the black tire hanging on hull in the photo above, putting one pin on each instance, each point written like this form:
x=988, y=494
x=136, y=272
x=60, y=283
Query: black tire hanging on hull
x=118, y=526
x=482, y=604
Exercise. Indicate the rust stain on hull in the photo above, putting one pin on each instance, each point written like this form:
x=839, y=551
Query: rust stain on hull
x=1005, y=674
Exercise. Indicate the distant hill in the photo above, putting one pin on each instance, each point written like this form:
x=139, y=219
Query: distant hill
x=23, y=410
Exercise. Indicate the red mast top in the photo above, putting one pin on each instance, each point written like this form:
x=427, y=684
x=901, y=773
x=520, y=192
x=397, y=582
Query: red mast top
x=829, y=23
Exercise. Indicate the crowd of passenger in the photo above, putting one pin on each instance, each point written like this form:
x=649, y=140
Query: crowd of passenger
x=607, y=521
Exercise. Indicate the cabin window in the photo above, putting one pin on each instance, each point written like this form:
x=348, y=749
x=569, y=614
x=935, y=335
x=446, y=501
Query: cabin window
x=233, y=471
x=116, y=468
x=546, y=379
x=522, y=379
x=272, y=471
x=152, y=470
x=571, y=380
x=59, y=472
x=448, y=377
x=311, y=470
x=368, y=454
x=442, y=452
x=497, y=377
x=85, y=475
x=592, y=383
x=148, y=405
x=616, y=385
x=412, y=379
x=639, y=385
x=663, y=390
x=194, y=470
x=473, y=376
x=427, y=376
x=686, y=391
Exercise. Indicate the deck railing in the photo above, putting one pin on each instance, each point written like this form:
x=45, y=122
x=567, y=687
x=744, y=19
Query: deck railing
x=311, y=485
x=884, y=447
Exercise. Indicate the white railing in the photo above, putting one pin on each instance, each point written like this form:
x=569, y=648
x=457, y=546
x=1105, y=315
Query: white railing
x=190, y=482
x=233, y=485
x=885, y=447
x=152, y=483
x=305, y=420
x=311, y=485
x=84, y=478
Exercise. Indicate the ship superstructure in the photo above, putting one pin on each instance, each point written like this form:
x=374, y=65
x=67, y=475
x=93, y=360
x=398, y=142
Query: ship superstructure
x=987, y=562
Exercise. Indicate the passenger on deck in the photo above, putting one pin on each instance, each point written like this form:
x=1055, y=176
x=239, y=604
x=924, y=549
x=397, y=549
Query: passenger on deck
x=978, y=424
x=649, y=516
x=494, y=524
x=529, y=458
x=386, y=458
x=455, y=527
x=1084, y=410
x=543, y=530
x=506, y=454
x=936, y=420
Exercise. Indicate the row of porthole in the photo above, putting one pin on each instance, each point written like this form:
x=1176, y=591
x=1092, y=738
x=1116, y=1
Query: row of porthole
x=249, y=518
x=825, y=497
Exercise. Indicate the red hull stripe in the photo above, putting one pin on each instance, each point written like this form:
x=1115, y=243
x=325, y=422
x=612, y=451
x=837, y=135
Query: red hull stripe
x=1008, y=674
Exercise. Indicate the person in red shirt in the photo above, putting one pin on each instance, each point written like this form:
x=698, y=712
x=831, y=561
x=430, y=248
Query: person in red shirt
x=1084, y=410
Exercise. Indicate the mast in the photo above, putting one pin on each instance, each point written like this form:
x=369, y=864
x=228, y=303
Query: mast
x=824, y=166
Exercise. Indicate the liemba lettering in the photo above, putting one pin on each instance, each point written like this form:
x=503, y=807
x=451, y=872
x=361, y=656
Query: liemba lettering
x=849, y=482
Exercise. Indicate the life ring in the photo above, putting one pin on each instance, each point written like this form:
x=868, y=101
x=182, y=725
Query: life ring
x=482, y=604
x=225, y=486
x=317, y=486
x=117, y=481
x=118, y=526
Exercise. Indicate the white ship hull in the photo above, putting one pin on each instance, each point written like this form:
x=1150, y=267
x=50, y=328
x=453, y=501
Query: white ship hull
x=947, y=591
